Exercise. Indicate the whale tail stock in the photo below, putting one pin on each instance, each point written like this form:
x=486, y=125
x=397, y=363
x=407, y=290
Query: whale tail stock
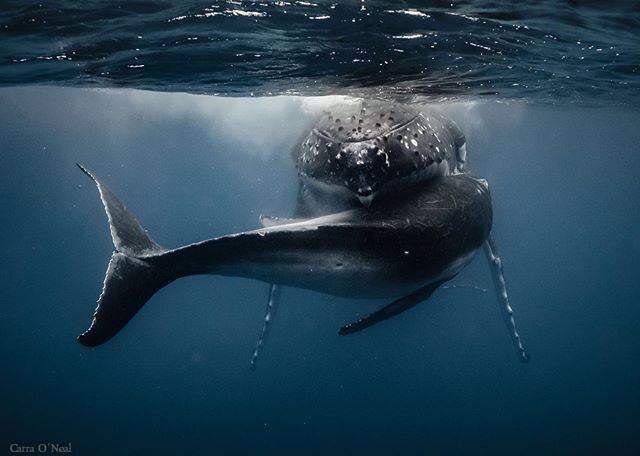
x=134, y=273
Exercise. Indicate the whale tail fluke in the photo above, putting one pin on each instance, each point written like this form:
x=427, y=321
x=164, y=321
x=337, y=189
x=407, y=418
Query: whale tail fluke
x=134, y=273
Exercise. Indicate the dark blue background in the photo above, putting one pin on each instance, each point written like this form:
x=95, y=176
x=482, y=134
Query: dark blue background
x=442, y=378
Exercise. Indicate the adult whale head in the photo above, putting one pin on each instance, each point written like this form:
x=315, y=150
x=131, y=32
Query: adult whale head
x=366, y=149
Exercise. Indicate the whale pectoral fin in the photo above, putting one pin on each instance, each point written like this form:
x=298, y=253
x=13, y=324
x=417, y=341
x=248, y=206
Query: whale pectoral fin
x=390, y=310
x=272, y=304
x=500, y=283
x=267, y=221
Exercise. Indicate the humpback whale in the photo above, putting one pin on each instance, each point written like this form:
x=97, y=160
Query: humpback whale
x=401, y=248
x=371, y=150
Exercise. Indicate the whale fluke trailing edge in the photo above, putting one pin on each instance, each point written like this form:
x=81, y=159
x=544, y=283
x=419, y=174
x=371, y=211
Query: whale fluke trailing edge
x=130, y=281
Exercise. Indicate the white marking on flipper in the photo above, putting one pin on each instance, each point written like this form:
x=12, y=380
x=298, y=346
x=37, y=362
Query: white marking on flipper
x=272, y=303
x=465, y=285
x=497, y=271
x=268, y=221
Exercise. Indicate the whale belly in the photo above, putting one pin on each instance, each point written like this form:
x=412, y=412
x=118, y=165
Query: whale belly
x=344, y=273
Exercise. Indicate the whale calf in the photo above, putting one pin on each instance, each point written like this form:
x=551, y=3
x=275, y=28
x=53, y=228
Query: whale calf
x=400, y=248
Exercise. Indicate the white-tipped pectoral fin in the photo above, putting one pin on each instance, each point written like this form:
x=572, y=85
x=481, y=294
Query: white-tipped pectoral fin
x=272, y=304
x=497, y=271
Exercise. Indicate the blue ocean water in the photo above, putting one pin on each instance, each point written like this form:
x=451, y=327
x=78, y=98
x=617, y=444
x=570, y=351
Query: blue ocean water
x=557, y=139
